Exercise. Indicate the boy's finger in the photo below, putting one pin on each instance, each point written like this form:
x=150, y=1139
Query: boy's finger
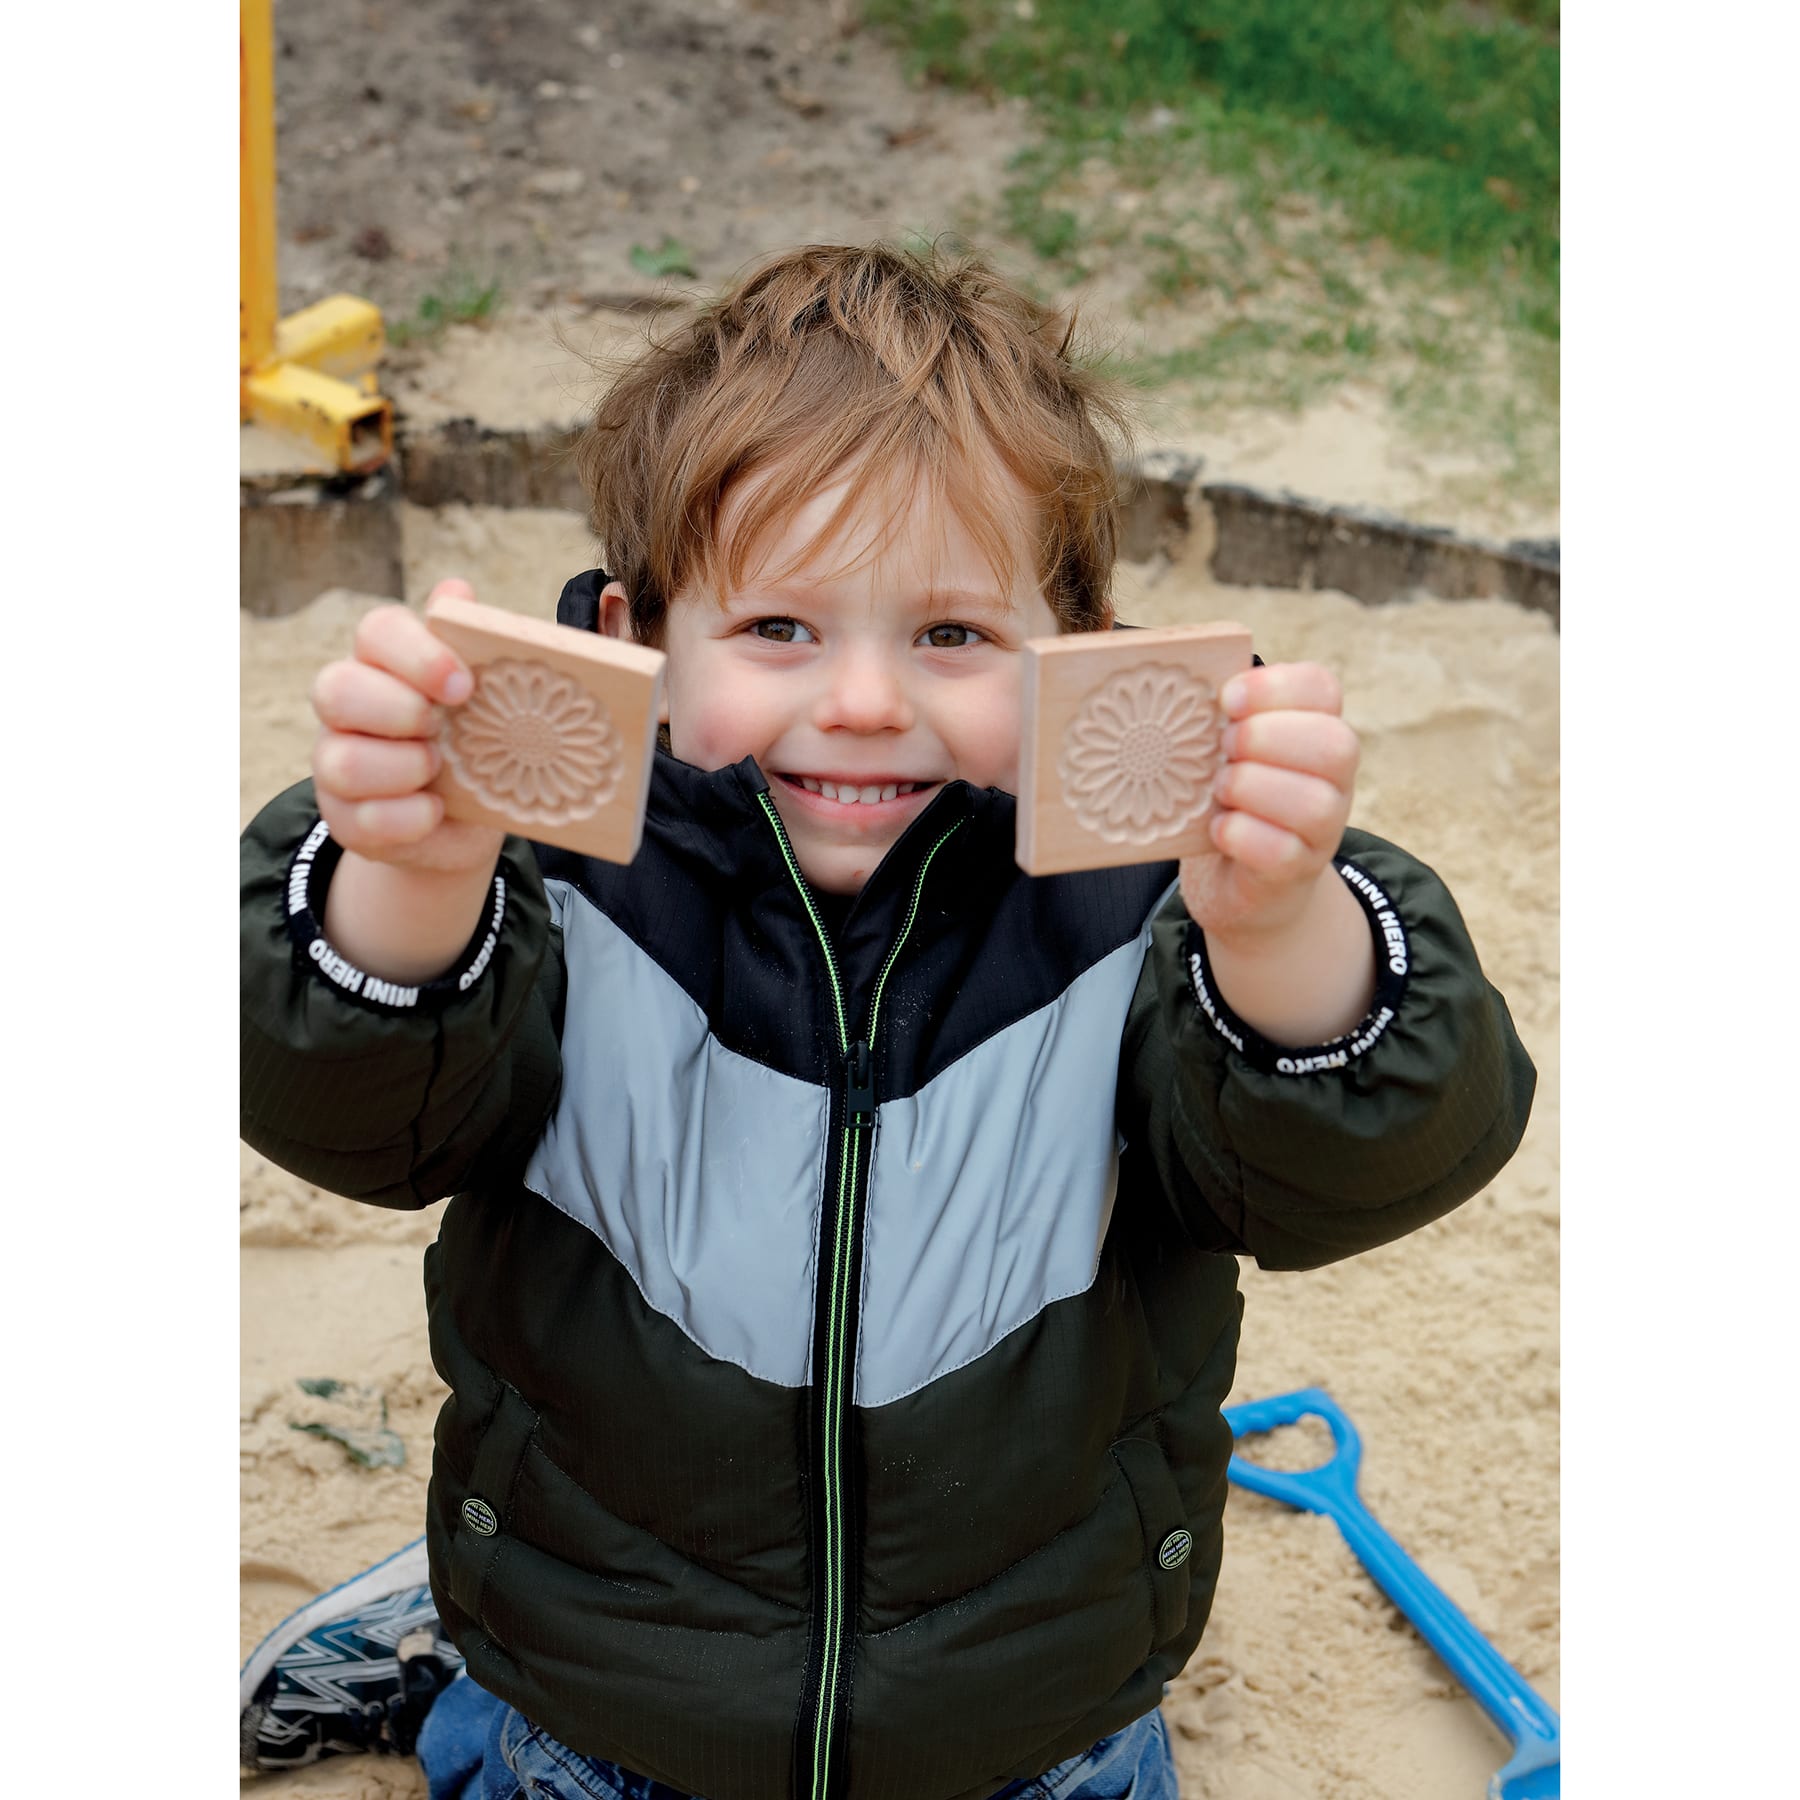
x=1312, y=809
x=1314, y=743
x=400, y=642
x=1262, y=849
x=378, y=828
x=1283, y=687
x=356, y=696
x=372, y=768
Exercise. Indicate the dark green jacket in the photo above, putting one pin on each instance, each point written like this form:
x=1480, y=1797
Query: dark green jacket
x=837, y=1320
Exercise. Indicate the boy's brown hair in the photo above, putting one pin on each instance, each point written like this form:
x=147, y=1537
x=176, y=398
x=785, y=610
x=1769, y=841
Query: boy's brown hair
x=877, y=361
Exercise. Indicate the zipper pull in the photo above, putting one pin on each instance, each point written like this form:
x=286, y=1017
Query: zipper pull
x=859, y=1098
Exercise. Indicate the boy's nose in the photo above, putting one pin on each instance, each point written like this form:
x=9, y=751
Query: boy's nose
x=864, y=692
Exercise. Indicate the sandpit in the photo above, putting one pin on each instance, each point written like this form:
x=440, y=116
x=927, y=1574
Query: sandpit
x=1443, y=1347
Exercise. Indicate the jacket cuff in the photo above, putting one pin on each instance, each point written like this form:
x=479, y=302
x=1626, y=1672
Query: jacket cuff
x=1392, y=964
x=309, y=876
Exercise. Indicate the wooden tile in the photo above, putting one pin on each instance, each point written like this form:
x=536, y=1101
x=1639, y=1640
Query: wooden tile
x=1120, y=744
x=557, y=739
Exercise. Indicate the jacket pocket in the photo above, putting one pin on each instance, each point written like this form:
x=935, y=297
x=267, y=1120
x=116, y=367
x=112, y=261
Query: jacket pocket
x=1168, y=1542
x=482, y=1516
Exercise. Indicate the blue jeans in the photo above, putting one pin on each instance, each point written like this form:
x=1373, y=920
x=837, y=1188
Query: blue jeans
x=475, y=1747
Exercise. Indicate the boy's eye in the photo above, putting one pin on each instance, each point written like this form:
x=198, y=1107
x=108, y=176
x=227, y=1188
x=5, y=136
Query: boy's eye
x=782, y=631
x=949, y=637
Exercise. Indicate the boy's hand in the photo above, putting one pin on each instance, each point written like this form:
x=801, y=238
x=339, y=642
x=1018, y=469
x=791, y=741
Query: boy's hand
x=379, y=715
x=1284, y=797
x=1290, y=947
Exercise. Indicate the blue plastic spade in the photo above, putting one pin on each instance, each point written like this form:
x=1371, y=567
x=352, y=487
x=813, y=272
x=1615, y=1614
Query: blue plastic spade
x=1533, y=1728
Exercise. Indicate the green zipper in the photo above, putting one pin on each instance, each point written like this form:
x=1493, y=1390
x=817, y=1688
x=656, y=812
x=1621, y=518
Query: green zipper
x=849, y=1166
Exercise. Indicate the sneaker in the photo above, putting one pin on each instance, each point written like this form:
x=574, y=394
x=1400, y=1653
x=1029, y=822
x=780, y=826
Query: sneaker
x=355, y=1669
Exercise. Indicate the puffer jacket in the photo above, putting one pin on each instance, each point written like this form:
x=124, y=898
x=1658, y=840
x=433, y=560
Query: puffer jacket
x=837, y=1323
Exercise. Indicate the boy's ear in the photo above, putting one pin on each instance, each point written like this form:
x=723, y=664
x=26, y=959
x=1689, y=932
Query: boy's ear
x=615, y=621
x=615, y=611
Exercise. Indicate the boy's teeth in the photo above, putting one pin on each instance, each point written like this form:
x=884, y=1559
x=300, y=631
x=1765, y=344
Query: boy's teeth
x=846, y=795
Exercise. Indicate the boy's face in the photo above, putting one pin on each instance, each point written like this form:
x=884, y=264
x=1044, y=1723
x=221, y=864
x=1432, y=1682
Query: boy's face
x=859, y=691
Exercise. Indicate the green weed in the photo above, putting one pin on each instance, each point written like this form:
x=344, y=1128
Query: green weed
x=465, y=299
x=670, y=257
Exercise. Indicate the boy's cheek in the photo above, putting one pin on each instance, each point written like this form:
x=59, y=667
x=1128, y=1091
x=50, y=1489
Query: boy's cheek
x=706, y=728
x=997, y=753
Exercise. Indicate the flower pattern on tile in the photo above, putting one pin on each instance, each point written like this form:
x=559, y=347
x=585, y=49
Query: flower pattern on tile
x=1138, y=760
x=531, y=743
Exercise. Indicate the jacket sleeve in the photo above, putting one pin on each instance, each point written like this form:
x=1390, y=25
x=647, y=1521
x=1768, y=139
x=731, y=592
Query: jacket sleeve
x=398, y=1096
x=1302, y=1158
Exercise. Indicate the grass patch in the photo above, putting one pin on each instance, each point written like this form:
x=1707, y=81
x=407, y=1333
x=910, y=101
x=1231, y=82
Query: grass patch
x=1289, y=194
x=1436, y=126
x=464, y=299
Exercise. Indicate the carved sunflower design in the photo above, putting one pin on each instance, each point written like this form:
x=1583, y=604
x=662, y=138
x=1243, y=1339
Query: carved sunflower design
x=1138, y=759
x=531, y=743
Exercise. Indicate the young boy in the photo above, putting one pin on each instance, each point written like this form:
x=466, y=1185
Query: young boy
x=840, y=1292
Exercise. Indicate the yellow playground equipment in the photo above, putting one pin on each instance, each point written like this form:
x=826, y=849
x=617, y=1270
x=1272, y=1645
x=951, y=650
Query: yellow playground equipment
x=312, y=374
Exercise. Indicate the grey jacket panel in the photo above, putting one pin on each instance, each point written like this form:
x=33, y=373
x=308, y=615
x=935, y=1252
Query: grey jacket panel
x=993, y=1185
x=698, y=1168
x=989, y=1197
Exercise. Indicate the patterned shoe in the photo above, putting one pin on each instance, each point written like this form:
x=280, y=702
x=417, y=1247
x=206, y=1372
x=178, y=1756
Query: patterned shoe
x=355, y=1669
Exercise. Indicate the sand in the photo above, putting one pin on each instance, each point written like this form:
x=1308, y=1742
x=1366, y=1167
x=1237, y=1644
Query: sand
x=1443, y=1347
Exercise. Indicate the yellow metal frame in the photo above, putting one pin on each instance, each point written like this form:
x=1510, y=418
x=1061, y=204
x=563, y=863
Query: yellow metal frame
x=312, y=374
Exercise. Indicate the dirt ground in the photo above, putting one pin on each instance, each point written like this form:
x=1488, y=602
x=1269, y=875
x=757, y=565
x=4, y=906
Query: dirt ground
x=736, y=127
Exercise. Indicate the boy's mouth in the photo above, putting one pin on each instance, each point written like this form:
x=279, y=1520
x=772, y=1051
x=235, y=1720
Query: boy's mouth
x=863, y=793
